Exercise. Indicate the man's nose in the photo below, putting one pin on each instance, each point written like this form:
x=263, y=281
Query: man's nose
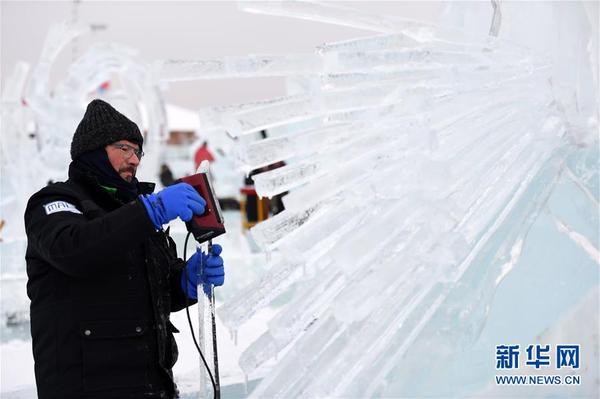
x=134, y=160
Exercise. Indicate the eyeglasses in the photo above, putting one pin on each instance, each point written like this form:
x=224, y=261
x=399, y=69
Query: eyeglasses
x=128, y=150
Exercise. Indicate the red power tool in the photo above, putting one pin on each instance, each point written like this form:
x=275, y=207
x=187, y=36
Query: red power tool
x=209, y=225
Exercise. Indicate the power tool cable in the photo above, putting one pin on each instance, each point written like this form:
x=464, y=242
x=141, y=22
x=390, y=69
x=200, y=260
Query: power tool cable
x=187, y=312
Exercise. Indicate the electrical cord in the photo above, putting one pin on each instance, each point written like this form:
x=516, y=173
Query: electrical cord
x=187, y=312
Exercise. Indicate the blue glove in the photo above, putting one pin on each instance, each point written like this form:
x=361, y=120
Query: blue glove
x=173, y=201
x=213, y=272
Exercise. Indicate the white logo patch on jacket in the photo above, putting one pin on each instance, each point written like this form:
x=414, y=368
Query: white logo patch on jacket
x=60, y=206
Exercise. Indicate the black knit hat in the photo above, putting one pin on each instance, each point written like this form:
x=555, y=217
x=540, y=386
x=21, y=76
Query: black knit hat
x=100, y=126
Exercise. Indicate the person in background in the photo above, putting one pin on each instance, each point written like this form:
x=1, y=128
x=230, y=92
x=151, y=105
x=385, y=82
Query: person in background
x=202, y=154
x=257, y=209
x=166, y=176
x=103, y=276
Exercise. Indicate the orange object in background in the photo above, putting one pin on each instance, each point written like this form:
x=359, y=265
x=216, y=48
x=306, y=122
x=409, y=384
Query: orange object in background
x=252, y=208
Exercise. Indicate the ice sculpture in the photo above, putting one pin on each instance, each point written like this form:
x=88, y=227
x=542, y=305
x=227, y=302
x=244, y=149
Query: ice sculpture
x=424, y=160
x=439, y=175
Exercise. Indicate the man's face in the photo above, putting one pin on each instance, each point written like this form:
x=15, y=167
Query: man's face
x=123, y=159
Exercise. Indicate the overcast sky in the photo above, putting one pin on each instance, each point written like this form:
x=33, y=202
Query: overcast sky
x=182, y=30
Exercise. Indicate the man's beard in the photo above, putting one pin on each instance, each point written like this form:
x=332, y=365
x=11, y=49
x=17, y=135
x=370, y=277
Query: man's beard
x=127, y=178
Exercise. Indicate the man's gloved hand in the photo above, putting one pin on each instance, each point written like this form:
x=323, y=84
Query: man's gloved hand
x=178, y=200
x=213, y=272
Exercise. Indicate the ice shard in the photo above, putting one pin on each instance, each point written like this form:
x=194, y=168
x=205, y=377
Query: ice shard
x=238, y=67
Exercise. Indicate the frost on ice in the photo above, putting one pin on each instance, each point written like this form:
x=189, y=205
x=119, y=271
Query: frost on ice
x=443, y=189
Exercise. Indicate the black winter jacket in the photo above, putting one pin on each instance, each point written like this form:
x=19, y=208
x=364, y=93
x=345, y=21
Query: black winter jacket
x=102, y=283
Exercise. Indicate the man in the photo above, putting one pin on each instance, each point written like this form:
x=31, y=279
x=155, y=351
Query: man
x=103, y=275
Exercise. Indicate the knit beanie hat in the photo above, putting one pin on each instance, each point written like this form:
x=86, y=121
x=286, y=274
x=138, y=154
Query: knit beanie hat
x=102, y=125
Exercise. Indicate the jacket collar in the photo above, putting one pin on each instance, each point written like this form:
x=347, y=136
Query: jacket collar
x=145, y=187
x=100, y=195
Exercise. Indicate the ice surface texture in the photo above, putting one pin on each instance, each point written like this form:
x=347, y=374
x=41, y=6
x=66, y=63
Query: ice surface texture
x=420, y=163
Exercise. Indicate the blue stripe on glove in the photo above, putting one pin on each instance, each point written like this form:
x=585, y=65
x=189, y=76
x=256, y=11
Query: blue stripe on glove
x=179, y=200
x=213, y=272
